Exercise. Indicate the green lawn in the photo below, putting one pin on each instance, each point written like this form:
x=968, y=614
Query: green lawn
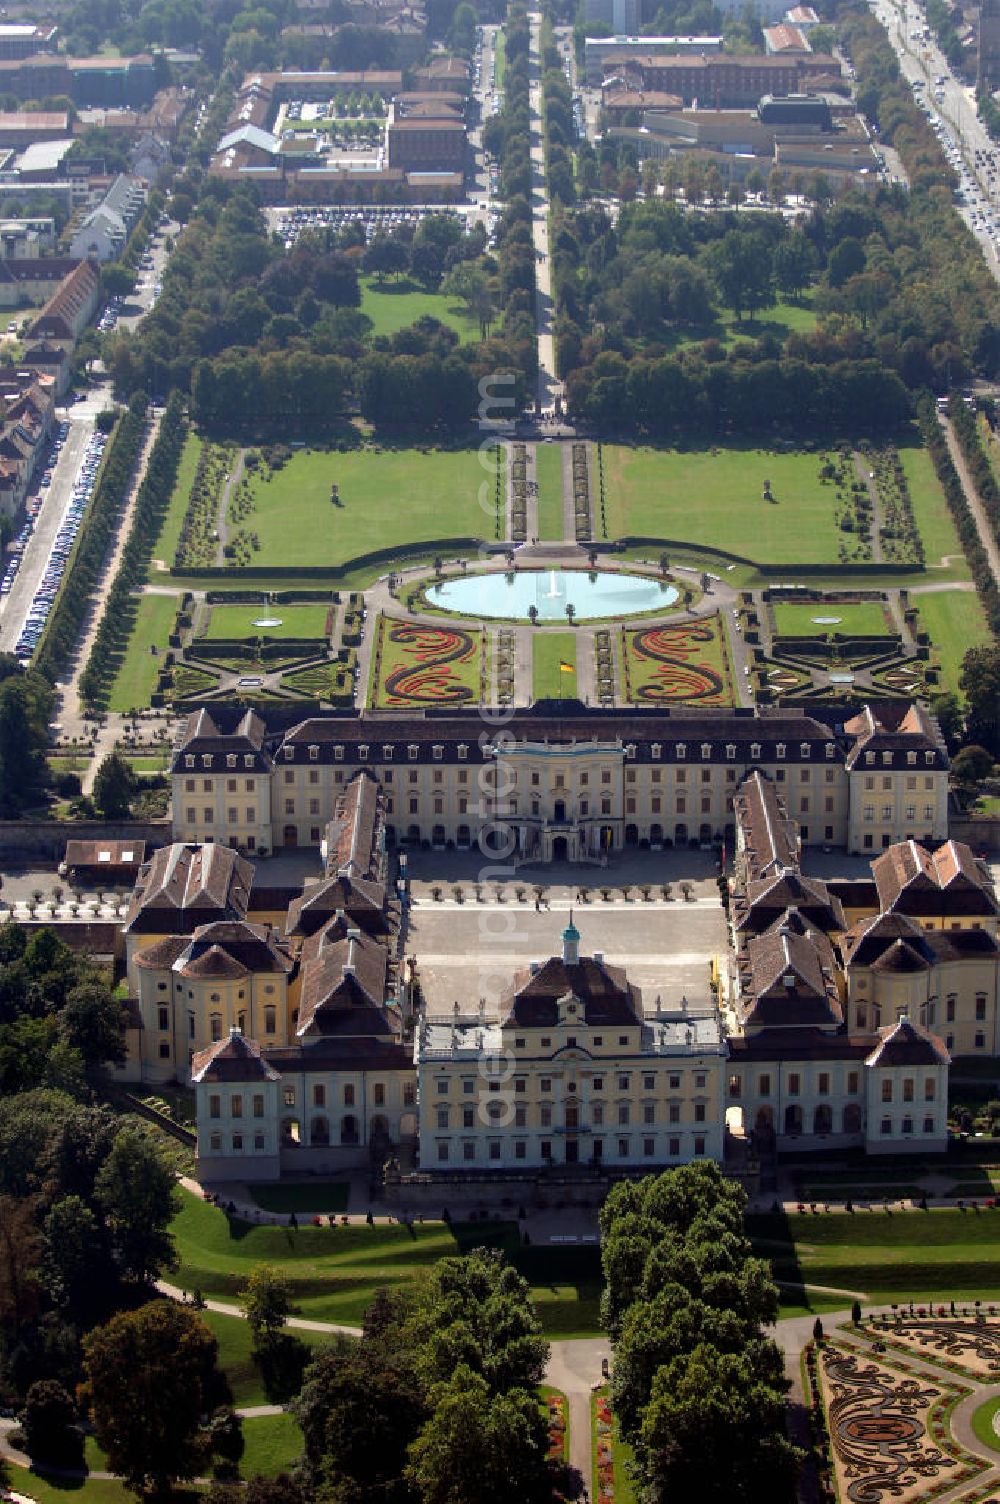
x=272, y=1444
x=236, y=1359
x=955, y=621
x=781, y=320
x=861, y=619
x=924, y=1255
x=90, y=1490
x=548, y=474
x=334, y=1272
x=931, y=512
x=235, y=622
x=548, y=680
x=500, y=53
x=715, y=500
x=170, y=530
x=138, y=670
x=392, y=306
x=984, y=1424
x=397, y=496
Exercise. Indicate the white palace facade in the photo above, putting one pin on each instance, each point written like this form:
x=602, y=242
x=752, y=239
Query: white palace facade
x=829, y=1022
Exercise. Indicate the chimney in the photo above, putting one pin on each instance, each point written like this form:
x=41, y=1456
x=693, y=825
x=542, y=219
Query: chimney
x=599, y=957
x=533, y=967
x=235, y=1033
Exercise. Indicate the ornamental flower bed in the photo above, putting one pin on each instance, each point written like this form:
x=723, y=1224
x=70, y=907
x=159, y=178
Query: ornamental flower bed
x=682, y=663
x=604, y=1426
x=557, y=1427
x=421, y=665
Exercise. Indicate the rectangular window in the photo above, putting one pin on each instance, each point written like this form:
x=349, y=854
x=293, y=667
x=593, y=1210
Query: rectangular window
x=236, y=1106
x=258, y=1105
x=887, y=1090
x=215, y=1107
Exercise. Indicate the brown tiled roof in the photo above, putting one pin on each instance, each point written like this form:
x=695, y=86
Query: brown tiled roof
x=222, y=731
x=605, y=991
x=352, y=835
x=330, y=1052
x=797, y=1044
x=252, y=947
x=232, y=1059
x=787, y=980
x=213, y=962
x=343, y=983
x=908, y=1044
x=105, y=853
x=948, y=881
x=868, y=939
x=183, y=885
x=362, y=902
x=161, y=955
x=911, y=730
x=75, y=291
x=764, y=899
x=901, y=957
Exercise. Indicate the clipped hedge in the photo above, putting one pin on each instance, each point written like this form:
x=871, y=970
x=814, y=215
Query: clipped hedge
x=151, y=503
x=965, y=525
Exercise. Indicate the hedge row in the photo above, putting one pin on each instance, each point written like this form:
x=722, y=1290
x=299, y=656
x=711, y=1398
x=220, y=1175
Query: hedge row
x=937, y=447
x=151, y=504
x=397, y=554
x=967, y=433
x=92, y=544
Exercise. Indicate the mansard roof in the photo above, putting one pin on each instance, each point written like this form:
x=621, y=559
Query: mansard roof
x=908, y=1044
x=233, y=1059
x=945, y=882
x=185, y=884
x=605, y=992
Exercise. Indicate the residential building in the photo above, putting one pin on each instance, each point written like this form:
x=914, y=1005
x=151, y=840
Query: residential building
x=728, y=80
x=69, y=309
x=21, y=128
x=103, y=232
x=603, y=55
x=785, y=41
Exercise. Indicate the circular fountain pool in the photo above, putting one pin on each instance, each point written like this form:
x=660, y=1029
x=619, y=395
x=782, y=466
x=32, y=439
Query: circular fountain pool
x=550, y=591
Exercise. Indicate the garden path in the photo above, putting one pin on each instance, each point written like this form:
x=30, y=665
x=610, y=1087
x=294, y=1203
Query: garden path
x=864, y=475
x=983, y=528
x=531, y=522
x=221, y=524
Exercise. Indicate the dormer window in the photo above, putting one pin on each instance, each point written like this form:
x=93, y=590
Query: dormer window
x=363, y=752
x=911, y=759
x=682, y=751
x=248, y=760
x=755, y=751
x=804, y=749
x=830, y=749
x=706, y=751
x=779, y=750
x=887, y=759
x=929, y=759
x=206, y=759
x=730, y=751
x=411, y=752
x=387, y=753
x=655, y=751
x=869, y=759
x=313, y=754
x=231, y=760
x=437, y=752
x=189, y=761
x=463, y=751
x=338, y=754
x=289, y=753
x=630, y=750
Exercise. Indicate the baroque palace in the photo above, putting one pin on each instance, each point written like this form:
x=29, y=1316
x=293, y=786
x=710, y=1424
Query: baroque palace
x=829, y=1022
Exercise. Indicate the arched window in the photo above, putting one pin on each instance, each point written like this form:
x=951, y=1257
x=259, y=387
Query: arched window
x=349, y=1129
x=319, y=1131
x=215, y=1025
x=823, y=1118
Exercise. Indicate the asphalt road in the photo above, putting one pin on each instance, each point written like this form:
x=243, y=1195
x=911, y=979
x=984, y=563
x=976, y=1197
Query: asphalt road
x=952, y=104
x=54, y=508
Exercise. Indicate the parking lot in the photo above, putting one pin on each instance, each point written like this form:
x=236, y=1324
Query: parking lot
x=64, y=492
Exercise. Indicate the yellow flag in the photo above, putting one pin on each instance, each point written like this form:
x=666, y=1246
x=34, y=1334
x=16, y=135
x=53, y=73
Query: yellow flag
x=566, y=668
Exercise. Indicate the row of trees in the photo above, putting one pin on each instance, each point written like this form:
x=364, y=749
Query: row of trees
x=26, y=705
x=93, y=542
x=151, y=504
x=697, y=1387
x=965, y=524
x=689, y=394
